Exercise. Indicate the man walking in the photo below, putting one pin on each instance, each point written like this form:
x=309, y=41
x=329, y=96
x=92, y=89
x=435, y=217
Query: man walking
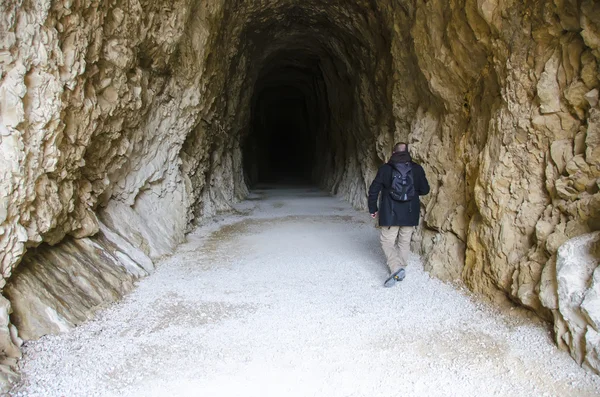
x=401, y=181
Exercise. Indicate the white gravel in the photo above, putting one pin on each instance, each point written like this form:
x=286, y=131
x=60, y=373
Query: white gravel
x=287, y=300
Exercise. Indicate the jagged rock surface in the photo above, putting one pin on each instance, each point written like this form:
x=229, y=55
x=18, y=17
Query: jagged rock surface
x=511, y=134
x=135, y=116
x=575, y=298
x=57, y=288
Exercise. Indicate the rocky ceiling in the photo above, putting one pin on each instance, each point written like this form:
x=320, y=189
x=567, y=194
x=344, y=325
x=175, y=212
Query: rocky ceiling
x=123, y=123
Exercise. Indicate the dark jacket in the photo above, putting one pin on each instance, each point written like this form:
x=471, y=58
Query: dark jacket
x=392, y=212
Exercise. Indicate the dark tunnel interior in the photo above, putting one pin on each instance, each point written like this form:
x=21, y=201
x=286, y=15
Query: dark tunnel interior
x=288, y=115
x=283, y=126
x=317, y=94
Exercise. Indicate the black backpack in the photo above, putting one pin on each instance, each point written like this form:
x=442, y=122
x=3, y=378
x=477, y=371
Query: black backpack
x=403, y=183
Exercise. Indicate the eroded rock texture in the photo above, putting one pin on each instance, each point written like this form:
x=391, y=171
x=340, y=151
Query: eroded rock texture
x=515, y=149
x=142, y=117
x=576, y=298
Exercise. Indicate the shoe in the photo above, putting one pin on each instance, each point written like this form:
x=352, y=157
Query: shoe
x=395, y=278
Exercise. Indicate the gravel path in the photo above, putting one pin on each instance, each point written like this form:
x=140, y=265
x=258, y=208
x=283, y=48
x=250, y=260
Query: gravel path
x=286, y=299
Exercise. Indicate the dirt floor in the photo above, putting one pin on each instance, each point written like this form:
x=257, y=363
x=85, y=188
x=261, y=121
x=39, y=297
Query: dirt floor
x=286, y=298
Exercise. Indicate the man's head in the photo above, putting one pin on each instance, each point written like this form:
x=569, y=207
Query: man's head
x=400, y=147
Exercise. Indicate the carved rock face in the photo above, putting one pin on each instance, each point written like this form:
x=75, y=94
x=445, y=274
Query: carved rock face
x=142, y=117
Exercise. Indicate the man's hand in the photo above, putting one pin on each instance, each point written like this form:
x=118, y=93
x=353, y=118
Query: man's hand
x=374, y=215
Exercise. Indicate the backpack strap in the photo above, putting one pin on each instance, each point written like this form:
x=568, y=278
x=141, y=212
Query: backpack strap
x=396, y=169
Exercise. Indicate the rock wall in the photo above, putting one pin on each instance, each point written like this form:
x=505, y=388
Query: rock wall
x=96, y=101
x=54, y=290
x=509, y=129
x=575, y=298
x=135, y=117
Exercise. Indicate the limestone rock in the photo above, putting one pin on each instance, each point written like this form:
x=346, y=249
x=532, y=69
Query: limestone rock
x=548, y=88
x=445, y=256
x=56, y=288
x=133, y=120
x=578, y=297
x=561, y=152
x=592, y=97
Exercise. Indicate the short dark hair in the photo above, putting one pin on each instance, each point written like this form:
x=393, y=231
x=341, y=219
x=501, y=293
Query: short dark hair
x=400, y=147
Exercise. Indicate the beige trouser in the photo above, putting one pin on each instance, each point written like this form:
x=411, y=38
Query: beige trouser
x=397, y=256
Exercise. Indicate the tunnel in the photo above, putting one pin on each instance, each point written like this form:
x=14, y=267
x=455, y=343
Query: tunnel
x=289, y=112
x=310, y=107
x=126, y=125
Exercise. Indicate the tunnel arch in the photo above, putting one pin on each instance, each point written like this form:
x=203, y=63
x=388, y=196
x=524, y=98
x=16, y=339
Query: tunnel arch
x=344, y=59
x=130, y=123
